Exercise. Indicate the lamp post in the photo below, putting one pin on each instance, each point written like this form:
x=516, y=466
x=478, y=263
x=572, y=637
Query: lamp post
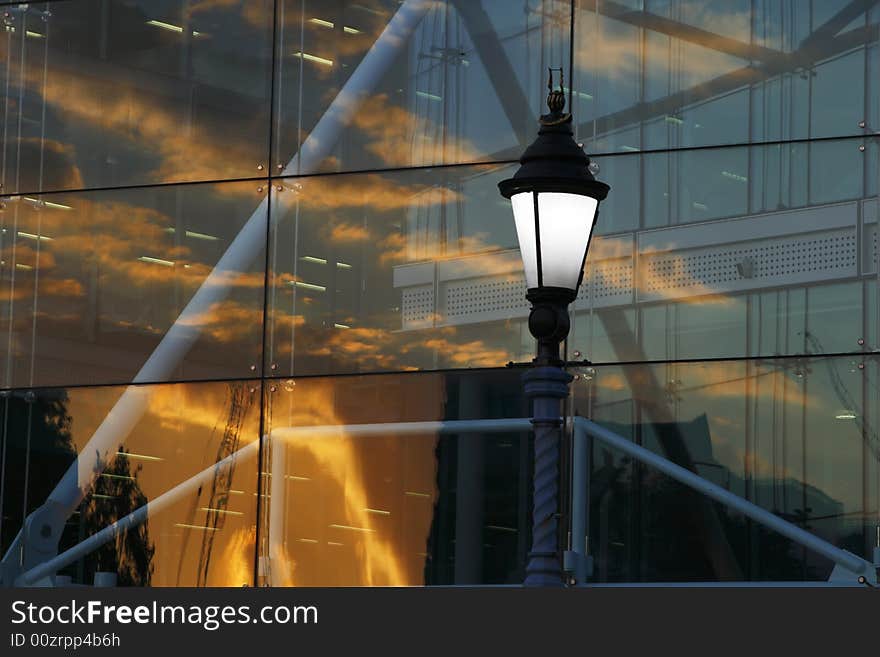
x=555, y=202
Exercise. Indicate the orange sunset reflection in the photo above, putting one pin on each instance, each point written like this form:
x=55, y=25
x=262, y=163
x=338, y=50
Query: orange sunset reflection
x=206, y=537
x=347, y=510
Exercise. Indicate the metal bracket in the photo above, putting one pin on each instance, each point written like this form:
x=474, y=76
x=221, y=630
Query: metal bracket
x=841, y=575
x=579, y=567
x=36, y=543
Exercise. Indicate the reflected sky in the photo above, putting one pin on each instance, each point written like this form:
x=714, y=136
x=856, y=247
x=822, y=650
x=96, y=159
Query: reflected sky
x=744, y=404
x=205, y=537
x=347, y=510
x=404, y=270
x=167, y=106
x=114, y=270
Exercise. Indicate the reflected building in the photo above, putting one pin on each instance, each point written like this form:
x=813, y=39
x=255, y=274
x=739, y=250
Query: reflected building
x=238, y=237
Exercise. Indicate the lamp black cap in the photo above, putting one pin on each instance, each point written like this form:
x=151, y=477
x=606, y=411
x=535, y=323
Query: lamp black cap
x=554, y=162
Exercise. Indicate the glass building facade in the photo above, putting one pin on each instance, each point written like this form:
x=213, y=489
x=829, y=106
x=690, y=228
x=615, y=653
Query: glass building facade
x=225, y=222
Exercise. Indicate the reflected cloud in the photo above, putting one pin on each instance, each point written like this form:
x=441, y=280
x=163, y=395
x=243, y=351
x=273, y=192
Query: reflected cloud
x=127, y=259
x=47, y=163
x=349, y=233
x=715, y=380
x=475, y=353
x=610, y=382
x=346, y=517
x=127, y=109
x=396, y=248
x=227, y=322
x=692, y=384
x=369, y=192
x=148, y=123
x=252, y=12
x=351, y=346
x=612, y=47
x=400, y=137
x=366, y=348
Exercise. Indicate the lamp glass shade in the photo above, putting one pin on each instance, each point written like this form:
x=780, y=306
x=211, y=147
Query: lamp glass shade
x=553, y=235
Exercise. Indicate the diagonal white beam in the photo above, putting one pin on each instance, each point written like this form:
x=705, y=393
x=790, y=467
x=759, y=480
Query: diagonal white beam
x=246, y=246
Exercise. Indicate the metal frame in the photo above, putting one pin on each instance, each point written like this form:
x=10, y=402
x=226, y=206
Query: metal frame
x=850, y=569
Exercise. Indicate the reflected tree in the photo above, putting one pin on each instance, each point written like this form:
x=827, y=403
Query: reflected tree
x=115, y=495
x=37, y=449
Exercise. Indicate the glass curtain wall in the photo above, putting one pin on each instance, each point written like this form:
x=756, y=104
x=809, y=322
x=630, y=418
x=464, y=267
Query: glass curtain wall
x=229, y=226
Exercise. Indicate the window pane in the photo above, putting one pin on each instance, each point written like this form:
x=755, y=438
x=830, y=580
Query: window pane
x=726, y=72
x=766, y=253
x=377, y=84
x=420, y=269
x=187, y=450
x=395, y=508
x=379, y=272
x=794, y=436
x=123, y=92
x=93, y=282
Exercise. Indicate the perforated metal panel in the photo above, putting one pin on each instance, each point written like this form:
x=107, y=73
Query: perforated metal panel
x=612, y=279
x=780, y=261
x=606, y=283
x=793, y=247
x=492, y=298
x=488, y=298
x=418, y=306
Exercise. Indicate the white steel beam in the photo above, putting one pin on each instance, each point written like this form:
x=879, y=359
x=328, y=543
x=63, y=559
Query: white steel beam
x=175, y=344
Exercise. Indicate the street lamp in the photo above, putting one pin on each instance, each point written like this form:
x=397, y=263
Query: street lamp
x=555, y=202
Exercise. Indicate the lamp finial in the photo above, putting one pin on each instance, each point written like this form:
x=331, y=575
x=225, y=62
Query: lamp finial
x=555, y=100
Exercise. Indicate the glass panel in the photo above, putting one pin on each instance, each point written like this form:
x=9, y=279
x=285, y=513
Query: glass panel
x=377, y=84
x=94, y=281
x=676, y=73
x=122, y=92
x=694, y=185
x=160, y=449
x=429, y=508
x=775, y=272
x=796, y=436
x=749, y=250
x=358, y=261
x=394, y=508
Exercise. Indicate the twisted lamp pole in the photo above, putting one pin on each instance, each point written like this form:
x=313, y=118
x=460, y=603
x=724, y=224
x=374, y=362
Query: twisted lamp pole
x=555, y=201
